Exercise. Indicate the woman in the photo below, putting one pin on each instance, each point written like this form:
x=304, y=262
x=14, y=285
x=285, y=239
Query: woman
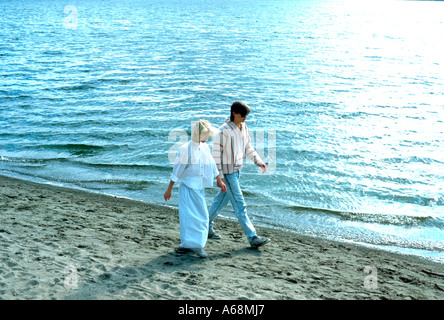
x=195, y=169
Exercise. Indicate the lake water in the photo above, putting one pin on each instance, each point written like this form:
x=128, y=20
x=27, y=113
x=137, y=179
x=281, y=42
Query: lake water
x=347, y=103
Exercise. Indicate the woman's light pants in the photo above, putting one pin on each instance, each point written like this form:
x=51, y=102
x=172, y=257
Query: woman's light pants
x=193, y=217
x=233, y=194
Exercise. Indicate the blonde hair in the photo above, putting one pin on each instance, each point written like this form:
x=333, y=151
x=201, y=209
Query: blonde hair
x=202, y=130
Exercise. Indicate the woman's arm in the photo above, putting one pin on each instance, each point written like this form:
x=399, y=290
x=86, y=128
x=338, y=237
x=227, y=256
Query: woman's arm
x=167, y=194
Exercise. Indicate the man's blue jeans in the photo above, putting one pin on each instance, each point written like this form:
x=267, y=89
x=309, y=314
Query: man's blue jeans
x=233, y=194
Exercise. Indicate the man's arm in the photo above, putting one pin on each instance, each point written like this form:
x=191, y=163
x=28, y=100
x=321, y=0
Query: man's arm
x=253, y=155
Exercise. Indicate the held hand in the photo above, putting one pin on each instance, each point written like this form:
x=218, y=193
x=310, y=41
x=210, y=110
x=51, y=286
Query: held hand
x=221, y=184
x=263, y=166
x=167, y=195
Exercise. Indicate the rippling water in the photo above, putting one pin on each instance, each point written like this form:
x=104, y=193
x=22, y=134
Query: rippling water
x=347, y=98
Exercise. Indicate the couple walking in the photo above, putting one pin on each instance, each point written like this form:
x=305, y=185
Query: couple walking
x=196, y=169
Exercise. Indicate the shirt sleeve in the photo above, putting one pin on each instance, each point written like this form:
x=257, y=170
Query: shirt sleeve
x=209, y=161
x=251, y=152
x=180, y=165
x=214, y=168
x=218, y=151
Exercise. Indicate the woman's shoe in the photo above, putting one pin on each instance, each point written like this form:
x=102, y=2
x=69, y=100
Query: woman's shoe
x=200, y=252
x=181, y=250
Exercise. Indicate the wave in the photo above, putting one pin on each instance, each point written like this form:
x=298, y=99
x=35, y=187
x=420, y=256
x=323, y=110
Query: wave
x=73, y=148
x=53, y=52
x=77, y=87
x=412, y=159
x=127, y=166
x=130, y=185
x=17, y=97
x=69, y=161
x=30, y=160
x=421, y=200
x=375, y=218
x=121, y=80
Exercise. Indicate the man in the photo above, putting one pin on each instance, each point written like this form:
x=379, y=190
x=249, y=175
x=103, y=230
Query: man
x=229, y=148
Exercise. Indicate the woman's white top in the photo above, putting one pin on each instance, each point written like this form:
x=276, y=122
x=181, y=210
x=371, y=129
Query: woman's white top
x=194, y=166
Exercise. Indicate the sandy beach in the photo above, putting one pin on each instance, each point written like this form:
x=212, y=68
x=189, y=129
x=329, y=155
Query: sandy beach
x=60, y=243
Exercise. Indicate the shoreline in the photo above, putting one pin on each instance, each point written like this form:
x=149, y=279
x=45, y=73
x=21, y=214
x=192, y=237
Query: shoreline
x=61, y=243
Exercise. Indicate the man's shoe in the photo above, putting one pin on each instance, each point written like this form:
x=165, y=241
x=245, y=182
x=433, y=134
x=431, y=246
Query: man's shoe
x=257, y=241
x=200, y=252
x=212, y=234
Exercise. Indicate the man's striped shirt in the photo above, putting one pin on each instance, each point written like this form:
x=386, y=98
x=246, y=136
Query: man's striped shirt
x=230, y=146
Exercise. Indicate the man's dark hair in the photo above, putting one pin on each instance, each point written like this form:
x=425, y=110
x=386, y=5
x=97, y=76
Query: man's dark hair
x=239, y=107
